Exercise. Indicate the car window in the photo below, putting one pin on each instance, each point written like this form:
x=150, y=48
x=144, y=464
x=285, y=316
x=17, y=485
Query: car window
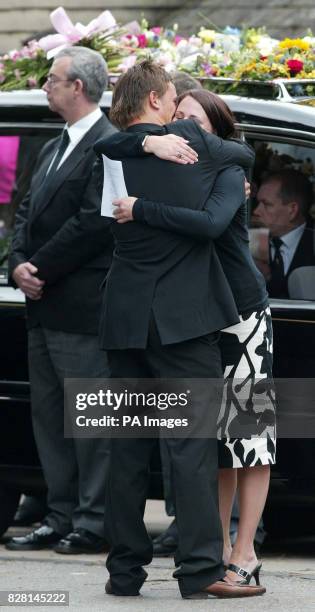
x=283, y=206
x=19, y=149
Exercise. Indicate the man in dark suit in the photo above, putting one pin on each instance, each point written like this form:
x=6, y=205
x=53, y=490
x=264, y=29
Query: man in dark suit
x=284, y=201
x=166, y=299
x=61, y=252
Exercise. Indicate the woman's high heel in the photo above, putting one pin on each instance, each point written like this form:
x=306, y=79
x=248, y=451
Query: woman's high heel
x=246, y=576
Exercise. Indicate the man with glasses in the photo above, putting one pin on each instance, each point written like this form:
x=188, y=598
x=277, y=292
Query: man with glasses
x=61, y=252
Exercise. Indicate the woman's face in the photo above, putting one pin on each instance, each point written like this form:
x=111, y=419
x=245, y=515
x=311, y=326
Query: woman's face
x=189, y=108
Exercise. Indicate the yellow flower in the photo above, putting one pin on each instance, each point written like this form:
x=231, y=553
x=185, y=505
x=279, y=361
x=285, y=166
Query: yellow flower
x=254, y=39
x=307, y=75
x=280, y=70
x=207, y=36
x=298, y=43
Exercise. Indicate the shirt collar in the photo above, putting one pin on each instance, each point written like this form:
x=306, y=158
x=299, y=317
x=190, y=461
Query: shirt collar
x=291, y=239
x=77, y=130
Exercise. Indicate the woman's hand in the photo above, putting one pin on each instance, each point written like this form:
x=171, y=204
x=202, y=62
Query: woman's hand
x=123, y=211
x=171, y=147
x=247, y=189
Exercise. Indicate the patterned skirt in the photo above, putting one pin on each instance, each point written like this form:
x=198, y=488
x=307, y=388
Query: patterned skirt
x=248, y=396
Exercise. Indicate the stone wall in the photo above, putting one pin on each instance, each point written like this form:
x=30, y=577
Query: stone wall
x=20, y=19
x=281, y=17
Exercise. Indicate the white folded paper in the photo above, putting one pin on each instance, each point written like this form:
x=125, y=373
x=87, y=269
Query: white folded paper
x=114, y=186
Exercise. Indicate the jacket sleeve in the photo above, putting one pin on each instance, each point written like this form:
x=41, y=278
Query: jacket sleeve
x=225, y=152
x=120, y=145
x=226, y=197
x=83, y=236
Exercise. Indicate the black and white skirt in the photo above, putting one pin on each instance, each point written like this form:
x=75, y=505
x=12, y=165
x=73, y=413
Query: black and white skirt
x=248, y=396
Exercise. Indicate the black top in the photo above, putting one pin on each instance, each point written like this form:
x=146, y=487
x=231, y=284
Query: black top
x=177, y=277
x=223, y=219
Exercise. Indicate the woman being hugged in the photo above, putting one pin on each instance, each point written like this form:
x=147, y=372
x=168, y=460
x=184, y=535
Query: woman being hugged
x=246, y=424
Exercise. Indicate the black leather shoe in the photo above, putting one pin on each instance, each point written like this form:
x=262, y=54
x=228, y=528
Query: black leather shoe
x=43, y=537
x=109, y=591
x=80, y=541
x=33, y=509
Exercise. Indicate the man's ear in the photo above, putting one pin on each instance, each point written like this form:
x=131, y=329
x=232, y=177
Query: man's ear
x=78, y=86
x=154, y=100
x=294, y=210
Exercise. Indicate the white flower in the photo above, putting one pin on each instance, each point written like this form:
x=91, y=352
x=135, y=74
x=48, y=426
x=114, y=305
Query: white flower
x=266, y=45
x=190, y=62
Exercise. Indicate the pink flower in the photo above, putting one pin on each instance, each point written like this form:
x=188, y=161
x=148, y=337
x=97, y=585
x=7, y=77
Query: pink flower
x=127, y=63
x=30, y=50
x=156, y=30
x=178, y=39
x=209, y=70
x=142, y=41
x=14, y=55
x=32, y=82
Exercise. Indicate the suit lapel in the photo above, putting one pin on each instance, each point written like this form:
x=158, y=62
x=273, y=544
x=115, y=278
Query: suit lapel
x=46, y=190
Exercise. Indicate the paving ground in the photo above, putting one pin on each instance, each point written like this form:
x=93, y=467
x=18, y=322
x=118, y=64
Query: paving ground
x=289, y=578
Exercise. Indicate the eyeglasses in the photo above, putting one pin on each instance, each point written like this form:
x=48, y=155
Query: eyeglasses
x=52, y=80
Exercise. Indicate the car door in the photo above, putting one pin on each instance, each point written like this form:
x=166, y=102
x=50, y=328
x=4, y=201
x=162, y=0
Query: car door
x=20, y=143
x=293, y=318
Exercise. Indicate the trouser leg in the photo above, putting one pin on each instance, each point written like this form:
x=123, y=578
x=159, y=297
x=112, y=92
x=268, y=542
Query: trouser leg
x=194, y=465
x=194, y=476
x=56, y=453
x=79, y=356
x=74, y=469
x=126, y=493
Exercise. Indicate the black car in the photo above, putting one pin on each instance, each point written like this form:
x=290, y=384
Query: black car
x=282, y=131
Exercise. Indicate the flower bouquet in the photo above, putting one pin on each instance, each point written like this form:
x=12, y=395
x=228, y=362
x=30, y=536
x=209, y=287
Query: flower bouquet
x=239, y=55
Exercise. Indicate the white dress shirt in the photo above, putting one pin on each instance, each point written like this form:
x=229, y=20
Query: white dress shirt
x=290, y=242
x=76, y=132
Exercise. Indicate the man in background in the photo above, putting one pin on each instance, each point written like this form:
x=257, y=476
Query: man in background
x=61, y=252
x=284, y=201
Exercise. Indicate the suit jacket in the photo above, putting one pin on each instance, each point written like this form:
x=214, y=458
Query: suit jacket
x=60, y=230
x=304, y=256
x=305, y=250
x=178, y=278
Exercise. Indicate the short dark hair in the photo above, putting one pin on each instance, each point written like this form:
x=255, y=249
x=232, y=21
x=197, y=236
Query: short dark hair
x=184, y=82
x=294, y=187
x=218, y=113
x=132, y=89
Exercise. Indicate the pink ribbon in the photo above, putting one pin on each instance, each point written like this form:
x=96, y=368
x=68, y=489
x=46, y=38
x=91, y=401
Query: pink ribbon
x=69, y=34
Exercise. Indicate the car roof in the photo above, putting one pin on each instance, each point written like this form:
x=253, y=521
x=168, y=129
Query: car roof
x=292, y=115
x=297, y=115
x=36, y=97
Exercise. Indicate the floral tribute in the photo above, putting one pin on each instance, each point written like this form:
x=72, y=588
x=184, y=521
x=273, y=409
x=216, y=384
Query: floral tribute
x=249, y=54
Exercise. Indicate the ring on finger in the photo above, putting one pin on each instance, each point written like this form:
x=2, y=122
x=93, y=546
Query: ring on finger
x=179, y=155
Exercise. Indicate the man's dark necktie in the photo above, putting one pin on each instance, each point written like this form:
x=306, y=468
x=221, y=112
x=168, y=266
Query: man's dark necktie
x=277, y=285
x=61, y=149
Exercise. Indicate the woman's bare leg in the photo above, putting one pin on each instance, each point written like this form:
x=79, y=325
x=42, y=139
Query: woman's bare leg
x=227, y=489
x=252, y=486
